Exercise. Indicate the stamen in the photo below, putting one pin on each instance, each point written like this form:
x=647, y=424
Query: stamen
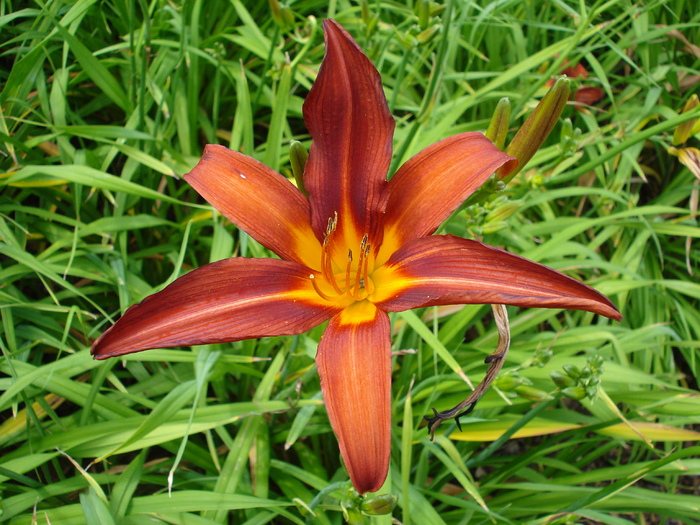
x=347, y=271
x=318, y=290
x=365, y=276
x=326, y=259
x=360, y=263
x=328, y=272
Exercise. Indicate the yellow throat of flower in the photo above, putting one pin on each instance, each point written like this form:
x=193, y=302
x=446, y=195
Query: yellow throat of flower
x=348, y=282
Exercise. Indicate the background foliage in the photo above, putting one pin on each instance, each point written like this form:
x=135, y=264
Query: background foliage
x=106, y=104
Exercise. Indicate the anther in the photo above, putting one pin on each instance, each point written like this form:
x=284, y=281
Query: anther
x=332, y=223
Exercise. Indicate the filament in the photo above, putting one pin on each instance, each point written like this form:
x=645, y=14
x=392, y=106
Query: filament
x=360, y=263
x=318, y=290
x=347, y=271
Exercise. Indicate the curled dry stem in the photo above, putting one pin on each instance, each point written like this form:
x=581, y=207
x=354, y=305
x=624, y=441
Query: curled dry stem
x=495, y=362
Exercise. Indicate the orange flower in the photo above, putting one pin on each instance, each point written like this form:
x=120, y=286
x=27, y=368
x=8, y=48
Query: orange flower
x=356, y=248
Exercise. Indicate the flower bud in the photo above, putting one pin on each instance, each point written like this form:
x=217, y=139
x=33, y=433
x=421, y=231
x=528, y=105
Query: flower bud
x=508, y=382
x=427, y=35
x=364, y=9
x=591, y=391
x=493, y=227
x=561, y=380
x=353, y=516
x=536, y=128
x=533, y=394
x=567, y=138
x=422, y=9
x=503, y=211
x=574, y=392
x=572, y=371
x=282, y=15
x=297, y=158
x=498, y=127
x=378, y=505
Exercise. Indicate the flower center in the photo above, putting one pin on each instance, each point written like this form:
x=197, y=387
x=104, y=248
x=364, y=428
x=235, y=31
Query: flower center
x=334, y=282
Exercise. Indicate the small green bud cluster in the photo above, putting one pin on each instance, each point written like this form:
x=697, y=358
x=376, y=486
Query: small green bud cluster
x=491, y=216
x=428, y=25
x=569, y=138
x=578, y=383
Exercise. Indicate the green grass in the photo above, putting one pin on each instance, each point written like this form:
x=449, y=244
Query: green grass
x=105, y=105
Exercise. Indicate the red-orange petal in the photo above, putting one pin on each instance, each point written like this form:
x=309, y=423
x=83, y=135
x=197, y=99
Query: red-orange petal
x=450, y=270
x=354, y=363
x=224, y=301
x=589, y=95
x=349, y=120
x=259, y=201
x=433, y=183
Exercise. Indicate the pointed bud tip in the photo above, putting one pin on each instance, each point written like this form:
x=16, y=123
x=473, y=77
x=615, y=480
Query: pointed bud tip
x=498, y=127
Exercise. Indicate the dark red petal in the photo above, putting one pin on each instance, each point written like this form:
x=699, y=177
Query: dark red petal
x=220, y=302
x=433, y=183
x=351, y=127
x=259, y=201
x=449, y=270
x=354, y=362
x=589, y=95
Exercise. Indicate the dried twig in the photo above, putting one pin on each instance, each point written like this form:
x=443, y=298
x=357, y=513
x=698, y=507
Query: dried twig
x=495, y=362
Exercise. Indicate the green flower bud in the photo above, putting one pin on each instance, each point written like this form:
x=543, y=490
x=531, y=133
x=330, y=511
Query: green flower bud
x=574, y=392
x=596, y=362
x=297, y=157
x=536, y=128
x=568, y=137
x=364, y=9
x=508, y=382
x=427, y=35
x=422, y=9
x=498, y=127
x=282, y=15
x=572, y=371
x=591, y=391
x=353, y=516
x=533, y=394
x=493, y=227
x=561, y=380
x=504, y=211
x=567, y=129
x=379, y=505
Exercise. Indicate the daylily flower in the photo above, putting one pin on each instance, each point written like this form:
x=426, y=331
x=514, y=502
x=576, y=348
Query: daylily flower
x=355, y=249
